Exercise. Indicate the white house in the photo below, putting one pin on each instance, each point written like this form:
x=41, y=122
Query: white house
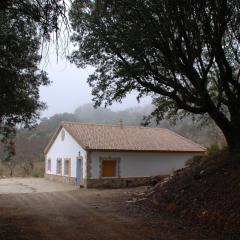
x=94, y=155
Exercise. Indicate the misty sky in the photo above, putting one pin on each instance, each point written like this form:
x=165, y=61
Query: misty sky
x=69, y=88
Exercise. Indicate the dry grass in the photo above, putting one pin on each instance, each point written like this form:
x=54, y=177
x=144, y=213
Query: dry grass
x=37, y=171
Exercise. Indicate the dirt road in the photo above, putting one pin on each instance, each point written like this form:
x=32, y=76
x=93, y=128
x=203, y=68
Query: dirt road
x=82, y=215
x=32, y=185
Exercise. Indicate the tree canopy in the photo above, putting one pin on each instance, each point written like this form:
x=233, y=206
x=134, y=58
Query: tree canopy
x=185, y=54
x=24, y=26
x=20, y=77
x=48, y=15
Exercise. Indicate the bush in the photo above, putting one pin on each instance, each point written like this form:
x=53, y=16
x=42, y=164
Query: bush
x=214, y=148
x=37, y=174
x=194, y=161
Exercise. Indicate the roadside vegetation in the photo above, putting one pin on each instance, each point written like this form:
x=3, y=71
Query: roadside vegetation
x=37, y=170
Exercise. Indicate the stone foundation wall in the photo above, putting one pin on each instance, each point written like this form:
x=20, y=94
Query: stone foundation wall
x=62, y=179
x=118, y=182
x=104, y=182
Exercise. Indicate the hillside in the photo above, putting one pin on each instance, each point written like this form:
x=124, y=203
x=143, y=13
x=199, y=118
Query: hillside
x=30, y=143
x=205, y=193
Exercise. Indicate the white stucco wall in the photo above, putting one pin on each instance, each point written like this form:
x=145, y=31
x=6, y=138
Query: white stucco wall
x=132, y=164
x=141, y=164
x=68, y=148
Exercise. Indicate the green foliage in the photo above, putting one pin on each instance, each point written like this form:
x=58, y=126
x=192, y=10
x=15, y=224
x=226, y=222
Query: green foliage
x=37, y=174
x=48, y=15
x=20, y=77
x=24, y=26
x=214, y=148
x=184, y=54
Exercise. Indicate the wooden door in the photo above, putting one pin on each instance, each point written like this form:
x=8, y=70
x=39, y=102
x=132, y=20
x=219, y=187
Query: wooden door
x=109, y=168
x=67, y=167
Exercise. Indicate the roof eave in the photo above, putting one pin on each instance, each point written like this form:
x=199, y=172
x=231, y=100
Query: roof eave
x=53, y=138
x=147, y=151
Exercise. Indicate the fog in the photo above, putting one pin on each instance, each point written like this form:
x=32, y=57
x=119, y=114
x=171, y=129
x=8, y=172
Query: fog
x=69, y=88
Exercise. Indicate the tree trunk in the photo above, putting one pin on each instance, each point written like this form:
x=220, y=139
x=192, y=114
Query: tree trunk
x=232, y=136
x=231, y=132
x=11, y=172
x=230, y=129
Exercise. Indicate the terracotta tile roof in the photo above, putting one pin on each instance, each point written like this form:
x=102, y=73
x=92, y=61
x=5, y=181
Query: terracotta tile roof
x=126, y=138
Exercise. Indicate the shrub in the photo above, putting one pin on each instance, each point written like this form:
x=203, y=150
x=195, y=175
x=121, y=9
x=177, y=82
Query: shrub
x=37, y=174
x=214, y=148
x=194, y=161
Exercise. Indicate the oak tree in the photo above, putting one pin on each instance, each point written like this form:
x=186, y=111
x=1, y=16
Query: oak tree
x=184, y=53
x=24, y=26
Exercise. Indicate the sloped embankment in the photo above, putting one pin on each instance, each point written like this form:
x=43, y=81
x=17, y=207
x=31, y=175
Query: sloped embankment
x=206, y=191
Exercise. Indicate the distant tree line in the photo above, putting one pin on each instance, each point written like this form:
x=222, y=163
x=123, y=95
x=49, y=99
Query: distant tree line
x=29, y=144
